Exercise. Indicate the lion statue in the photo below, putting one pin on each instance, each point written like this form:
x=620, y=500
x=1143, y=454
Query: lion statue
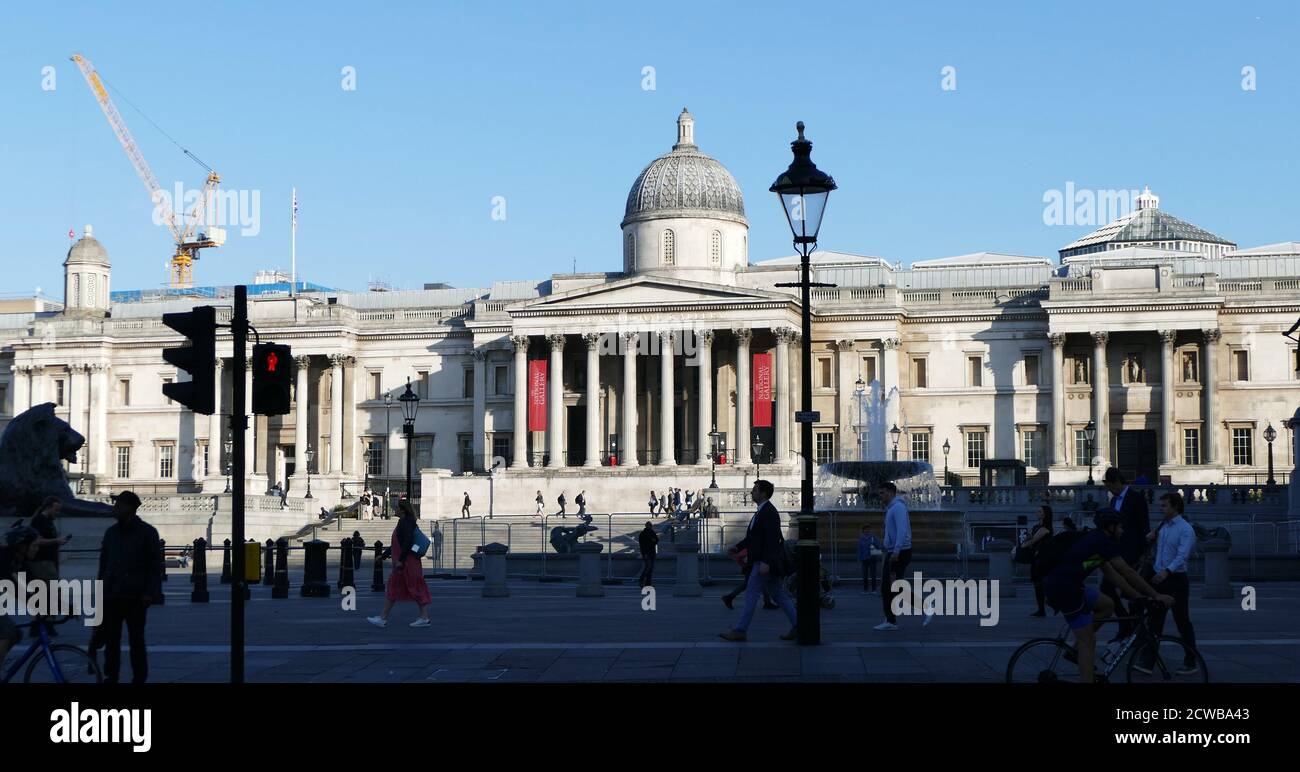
x=32, y=449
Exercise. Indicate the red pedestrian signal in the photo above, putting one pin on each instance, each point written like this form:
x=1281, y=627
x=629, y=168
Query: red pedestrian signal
x=272, y=381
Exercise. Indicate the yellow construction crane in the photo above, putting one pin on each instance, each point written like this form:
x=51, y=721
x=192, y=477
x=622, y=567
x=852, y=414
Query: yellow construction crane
x=181, y=271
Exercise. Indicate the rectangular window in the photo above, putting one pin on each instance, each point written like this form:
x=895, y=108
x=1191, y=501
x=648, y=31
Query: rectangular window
x=469, y=383
x=501, y=378
x=375, y=457
x=1081, y=454
x=868, y=370
x=1191, y=370
x=921, y=446
x=1031, y=369
x=123, y=466
x=376, y=386
x=975, y=371
x=465, y=449
x=974, y=449
x=203, y=459
x=4, y=399
x=501, y=447
x=124, y=392
x=59, y=385
x=1191, y=447
x=825, y=377
x=167, y=400
x=423, y=452
x=1243, y=446
x=918, y=373
x=1033, y=446
x=1240, y=365
x=166, y=461
x=825, y=452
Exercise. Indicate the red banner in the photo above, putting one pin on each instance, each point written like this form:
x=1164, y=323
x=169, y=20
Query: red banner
x=537, y=395
x=762, y=391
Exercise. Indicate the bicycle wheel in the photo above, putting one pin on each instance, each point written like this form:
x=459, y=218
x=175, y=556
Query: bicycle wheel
x=75, y=665
x=1042, y=661
x=1165, y=660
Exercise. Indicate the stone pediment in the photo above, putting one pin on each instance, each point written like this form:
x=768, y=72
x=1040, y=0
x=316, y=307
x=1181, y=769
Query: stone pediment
x=648, y=292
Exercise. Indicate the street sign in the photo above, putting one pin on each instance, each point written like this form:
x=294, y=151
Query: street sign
x=807, y=417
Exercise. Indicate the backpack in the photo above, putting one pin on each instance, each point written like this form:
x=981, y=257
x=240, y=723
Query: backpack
x=1051, y=551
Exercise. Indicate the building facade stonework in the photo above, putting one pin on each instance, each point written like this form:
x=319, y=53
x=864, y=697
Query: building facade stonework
x=1168, y=340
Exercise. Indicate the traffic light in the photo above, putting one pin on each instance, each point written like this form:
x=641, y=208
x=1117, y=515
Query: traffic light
x=272, y=374
x=198, y=359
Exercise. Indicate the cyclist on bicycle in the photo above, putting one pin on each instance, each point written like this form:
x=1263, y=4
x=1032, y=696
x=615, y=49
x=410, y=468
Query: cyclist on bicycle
x=18, y=548
x=1085, y=607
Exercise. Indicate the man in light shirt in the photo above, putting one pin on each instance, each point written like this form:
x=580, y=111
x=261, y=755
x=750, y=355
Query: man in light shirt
x=1174, y=541
x=898, y=551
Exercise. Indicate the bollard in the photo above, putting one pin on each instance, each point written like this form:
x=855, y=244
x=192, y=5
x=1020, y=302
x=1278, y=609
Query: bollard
x=225, y=562
x=281, y=587
x=494, y=570
x=377, y=584
x=1218, y=583
x=1000, y=566
x=199, y=574
x=314, y=583
x=589, y=585
x=268, y=568
x=688, y=570
x=345, y=565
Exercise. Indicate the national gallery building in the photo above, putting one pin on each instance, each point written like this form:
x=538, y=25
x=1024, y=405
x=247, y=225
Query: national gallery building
x=1150, y=344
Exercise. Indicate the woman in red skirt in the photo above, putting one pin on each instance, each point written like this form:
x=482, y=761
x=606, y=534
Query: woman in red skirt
x=406, y=582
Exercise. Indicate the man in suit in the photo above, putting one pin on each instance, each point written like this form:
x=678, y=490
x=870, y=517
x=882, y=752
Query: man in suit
x=1132, y=508
x=767, y=560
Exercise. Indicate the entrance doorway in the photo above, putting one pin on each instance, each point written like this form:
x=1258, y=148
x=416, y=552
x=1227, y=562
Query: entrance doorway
x=1137, y=455
x=577, y=451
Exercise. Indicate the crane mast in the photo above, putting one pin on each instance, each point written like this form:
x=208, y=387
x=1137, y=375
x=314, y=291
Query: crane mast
x=181, y=266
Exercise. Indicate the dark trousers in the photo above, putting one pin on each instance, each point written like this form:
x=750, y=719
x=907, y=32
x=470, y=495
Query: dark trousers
x=767, y=598
x=869, y=574
x=1177, y=586
x=647, y=568
x=133, y=612
x=888, y=575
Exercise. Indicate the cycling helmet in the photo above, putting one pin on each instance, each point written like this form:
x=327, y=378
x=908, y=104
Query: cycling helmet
x=1106, y=517
x=20, y=534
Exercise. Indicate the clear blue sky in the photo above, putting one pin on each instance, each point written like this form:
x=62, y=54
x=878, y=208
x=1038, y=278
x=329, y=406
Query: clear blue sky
x=542, y=103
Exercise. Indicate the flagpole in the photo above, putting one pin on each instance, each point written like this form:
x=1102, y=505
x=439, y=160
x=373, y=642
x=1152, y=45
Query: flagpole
x=293, y=248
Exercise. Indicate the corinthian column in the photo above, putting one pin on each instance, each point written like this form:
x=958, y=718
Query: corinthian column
x=555, y=402
x=627, y=454
x=99, y=418
x=478, y=424
x=593, y=399
x=743, y=337
x=520, y=437
x=1100, y=396
x=784, y=418
x=1210, y=377
x=1168, y=453
x=667, y=439
x=216, y=437
x=704, y=365
x=302, y=401
x=336, y=412
x=1059, y=455
x=250, y=437
x=22, y=388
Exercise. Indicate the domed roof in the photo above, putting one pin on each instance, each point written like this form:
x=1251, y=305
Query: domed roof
x=684, y=183
x=87, y=249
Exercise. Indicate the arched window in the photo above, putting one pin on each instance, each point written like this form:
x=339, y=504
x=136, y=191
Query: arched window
x=670, y=248
x=715, y=248
x=629, y=253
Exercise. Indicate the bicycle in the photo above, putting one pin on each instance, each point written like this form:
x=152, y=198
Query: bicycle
x=64, y=662
x=1051, y=660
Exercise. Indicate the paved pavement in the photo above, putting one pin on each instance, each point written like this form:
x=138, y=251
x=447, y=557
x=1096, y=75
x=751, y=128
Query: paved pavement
x=542, y=633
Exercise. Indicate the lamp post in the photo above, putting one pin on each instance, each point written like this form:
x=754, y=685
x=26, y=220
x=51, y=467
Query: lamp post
x=1089, y=435
x=946, y=447
x=410, y=406
x=1270, y=434
x=860, y=397
x=713, y=458
x=230, y=447
x=895, y=433
x=804, y=190
x=309, y=455
x=757, y=448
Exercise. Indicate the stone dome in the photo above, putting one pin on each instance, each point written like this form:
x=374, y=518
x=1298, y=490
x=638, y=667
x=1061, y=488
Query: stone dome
x=684, y=183
x=87, y=251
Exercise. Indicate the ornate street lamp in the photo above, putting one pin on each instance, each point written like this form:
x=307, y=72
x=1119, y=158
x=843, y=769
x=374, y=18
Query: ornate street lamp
x=895, y=433
x=804, y=190
x=410, y=406
x=946, y=447
x=1089, y=436
x=713, y=458
x=756, y=447
x=1270, y=434
x=859, y=426
x=230, y=448
x=309, y=454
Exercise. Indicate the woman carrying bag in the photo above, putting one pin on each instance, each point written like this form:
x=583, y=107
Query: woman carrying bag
x=406, y=581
